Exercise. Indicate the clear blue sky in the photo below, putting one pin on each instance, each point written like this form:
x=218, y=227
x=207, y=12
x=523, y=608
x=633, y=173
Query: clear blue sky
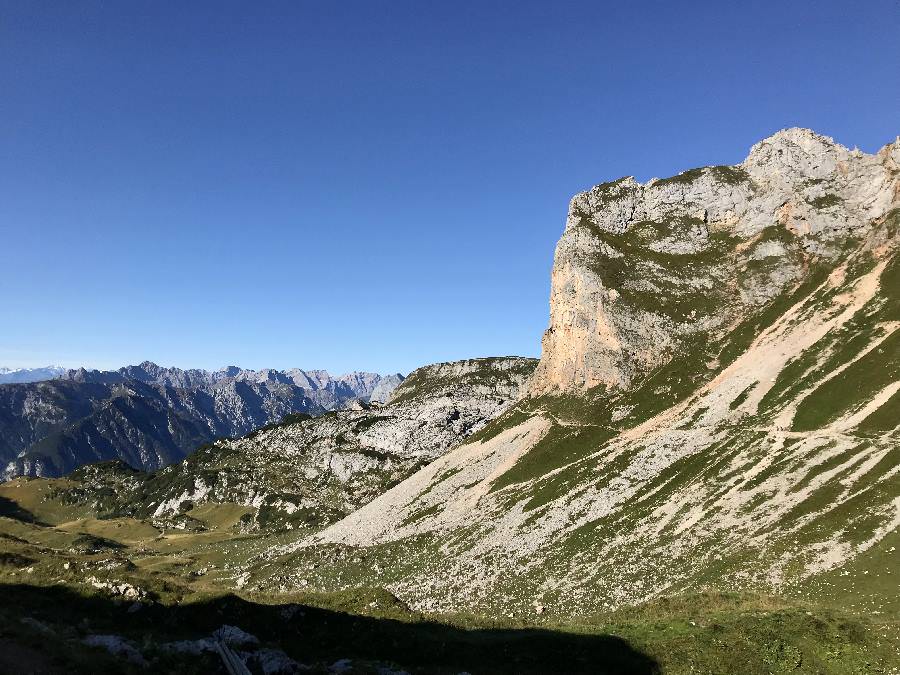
x=369, y=185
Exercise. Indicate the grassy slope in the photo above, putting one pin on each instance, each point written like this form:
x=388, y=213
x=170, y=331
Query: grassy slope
x=826, y=401
x=709, y=632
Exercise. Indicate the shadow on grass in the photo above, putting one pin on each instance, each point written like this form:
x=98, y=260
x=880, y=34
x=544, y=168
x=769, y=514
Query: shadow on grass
x=10, y=509
x=314, y=635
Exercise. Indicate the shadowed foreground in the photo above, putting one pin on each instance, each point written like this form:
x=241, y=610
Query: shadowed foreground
x=58, y=619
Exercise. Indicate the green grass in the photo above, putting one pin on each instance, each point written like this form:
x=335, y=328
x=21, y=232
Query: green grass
x=560, y=446
x=730, y=175
x=707, y=632
x=508, y=420
x=732, y=633
x=856, y=384
x=825, y=201
x=422, y=514
x=219, y=516
x=736, y=403
x=685, y=177
x=776, y=233
x=884, y=419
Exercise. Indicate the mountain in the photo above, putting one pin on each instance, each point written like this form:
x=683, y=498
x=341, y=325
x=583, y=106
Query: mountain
x=149, y=416
x=18, y=375
x=308, y=471
x=700, y=475
x=716, y=405
x=325, y=390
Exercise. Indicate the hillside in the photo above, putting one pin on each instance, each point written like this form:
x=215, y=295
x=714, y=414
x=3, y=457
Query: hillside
x=305, y=472
x=716, y=405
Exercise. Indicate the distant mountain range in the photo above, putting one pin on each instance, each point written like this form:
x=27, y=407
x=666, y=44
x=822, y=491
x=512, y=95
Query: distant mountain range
x=324, y=389
x=150, y=416
x=308, y=471
x=18, y=375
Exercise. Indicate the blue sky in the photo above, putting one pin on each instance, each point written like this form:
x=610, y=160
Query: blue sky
x=369, y=185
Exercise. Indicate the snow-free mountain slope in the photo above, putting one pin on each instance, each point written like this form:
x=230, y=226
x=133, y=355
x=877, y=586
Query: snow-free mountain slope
x=716, y=405
x=305, y=472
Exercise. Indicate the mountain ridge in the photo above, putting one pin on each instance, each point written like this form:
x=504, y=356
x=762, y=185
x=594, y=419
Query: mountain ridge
x=355, y=384
x=151, y=416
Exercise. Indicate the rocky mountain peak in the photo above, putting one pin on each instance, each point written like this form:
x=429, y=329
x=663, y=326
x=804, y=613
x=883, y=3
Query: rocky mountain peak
x=643, y=269
x=502, y=377
x=794, y=142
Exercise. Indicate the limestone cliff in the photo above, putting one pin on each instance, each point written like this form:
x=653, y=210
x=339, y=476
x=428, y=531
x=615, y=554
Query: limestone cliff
x=642, y=268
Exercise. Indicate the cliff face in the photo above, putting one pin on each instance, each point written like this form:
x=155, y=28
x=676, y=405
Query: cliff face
x=643, y=268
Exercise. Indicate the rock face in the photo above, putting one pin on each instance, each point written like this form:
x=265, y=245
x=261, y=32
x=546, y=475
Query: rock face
x=642, y=269
x=310, y=471
x=717, y=405
x=149, y=416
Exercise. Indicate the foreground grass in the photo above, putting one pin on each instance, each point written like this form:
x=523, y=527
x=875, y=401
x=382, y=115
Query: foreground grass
x=315, y=634
x=50, y=557
x=702, y=633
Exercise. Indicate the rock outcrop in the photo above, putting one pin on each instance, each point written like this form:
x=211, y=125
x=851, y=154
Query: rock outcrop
x=643, y=268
